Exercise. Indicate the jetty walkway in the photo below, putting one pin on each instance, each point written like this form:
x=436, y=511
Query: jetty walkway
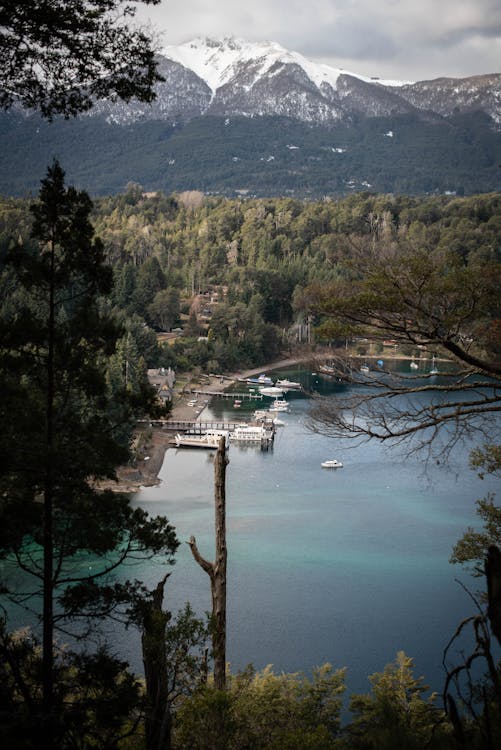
x=195, y=426
x=235, y=396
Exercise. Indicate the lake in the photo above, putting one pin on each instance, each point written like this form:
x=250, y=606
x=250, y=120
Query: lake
x=346, y=566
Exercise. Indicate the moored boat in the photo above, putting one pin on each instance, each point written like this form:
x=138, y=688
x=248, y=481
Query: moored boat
x=288, y=385
x=279, y=405
x=209, y=440
x=260, y=380
x=332, y=464
x=251, y=434
x=260, y=414
x=271, y=391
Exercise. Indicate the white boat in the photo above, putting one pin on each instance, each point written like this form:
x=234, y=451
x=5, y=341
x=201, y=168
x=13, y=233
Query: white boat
x=267, y=418
x=209, y=439
x=261, y=414
x=365, y=369
x=414, y=365
x=237, y=403
x=434, y=368
x=261, y=380
x=279, y=405
x=332, y=464
x=251, y=434
x=271, y=391
x=288, y=385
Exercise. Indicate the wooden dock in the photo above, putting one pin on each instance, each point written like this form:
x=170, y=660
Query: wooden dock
x=195, y=426
x=235, y=396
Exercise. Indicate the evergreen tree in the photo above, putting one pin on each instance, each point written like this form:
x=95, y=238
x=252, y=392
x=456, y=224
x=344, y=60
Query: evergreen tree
x=396, y=713
x=59, y=438
x=58, y=57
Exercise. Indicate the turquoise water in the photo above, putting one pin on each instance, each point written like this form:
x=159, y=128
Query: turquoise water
x=345, y=566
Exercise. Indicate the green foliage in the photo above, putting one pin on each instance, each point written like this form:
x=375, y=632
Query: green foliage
x=265, y=710
x=164, y=310
x=486, y=460
x=263, y=258
x=459, y=154
x=396, y=714
x=97, y=699
x=472, y=548
x=58, y=58
x=60, y=434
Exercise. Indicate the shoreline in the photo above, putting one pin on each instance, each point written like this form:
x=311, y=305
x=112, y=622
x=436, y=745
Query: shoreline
x=145, y=471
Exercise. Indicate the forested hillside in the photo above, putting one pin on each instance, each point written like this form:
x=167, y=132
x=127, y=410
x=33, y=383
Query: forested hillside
x=262, y=156
x=238, y=279
x=234, y=272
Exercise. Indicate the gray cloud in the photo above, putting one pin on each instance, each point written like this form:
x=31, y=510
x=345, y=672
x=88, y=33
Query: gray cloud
x=391, y=38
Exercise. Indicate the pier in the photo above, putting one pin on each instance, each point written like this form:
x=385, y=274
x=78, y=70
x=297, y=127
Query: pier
x=225, y=394
x=195, y=426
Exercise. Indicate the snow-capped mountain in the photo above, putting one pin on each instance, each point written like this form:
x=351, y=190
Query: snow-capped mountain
x=233, y=77
x=238, y=118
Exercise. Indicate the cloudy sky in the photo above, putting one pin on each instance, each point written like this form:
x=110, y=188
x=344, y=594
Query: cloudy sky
x=404, y=39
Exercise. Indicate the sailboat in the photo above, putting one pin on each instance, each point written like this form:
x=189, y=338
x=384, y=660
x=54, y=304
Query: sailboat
x=434, y=369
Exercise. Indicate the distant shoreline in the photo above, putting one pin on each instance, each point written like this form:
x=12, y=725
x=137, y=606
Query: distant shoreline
x=144, y=473
x=146, y=470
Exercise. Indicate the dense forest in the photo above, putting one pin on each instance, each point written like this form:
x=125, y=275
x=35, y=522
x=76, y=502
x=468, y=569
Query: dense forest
x=86, y=291
x=233, y=272
x=89, y=294
x=258, y=156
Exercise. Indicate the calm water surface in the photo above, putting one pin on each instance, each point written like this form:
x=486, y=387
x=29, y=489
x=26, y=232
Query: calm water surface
x=345, y=566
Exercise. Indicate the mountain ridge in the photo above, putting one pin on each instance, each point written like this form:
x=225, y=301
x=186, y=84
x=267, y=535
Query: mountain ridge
x=233, y=77
x=265, y=121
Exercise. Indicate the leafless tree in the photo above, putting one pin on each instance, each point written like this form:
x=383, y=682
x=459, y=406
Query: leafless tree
x=435, y=303
x=217, y=570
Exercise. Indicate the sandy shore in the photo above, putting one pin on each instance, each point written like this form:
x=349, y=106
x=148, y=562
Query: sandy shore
x=155, y=440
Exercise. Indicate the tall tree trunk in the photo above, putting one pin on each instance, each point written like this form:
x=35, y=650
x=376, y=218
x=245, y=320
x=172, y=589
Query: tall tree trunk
x=493, y=575
x=48, y=541
x=217, y=570
x=158, y=720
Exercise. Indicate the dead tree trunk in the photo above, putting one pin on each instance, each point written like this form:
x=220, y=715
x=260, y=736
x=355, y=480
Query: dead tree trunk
x=493, y=574
x=158, y=719
x=217, y=570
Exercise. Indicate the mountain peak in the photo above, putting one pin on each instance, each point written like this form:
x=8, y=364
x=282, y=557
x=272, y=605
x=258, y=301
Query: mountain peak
x=216, y=60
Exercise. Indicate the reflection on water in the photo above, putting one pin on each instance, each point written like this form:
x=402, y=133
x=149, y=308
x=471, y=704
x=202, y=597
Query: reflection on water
x=344, y=566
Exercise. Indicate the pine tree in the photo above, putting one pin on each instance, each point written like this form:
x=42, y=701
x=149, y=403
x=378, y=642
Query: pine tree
x=59, y=436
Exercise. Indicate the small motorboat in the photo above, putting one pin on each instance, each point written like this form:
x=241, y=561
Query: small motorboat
x=280, y=405
x=271, y=391
x=332, y=464
x=414, y=365
x=288, y=385
x=261, y=380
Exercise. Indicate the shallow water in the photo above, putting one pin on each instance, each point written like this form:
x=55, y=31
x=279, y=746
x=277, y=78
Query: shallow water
x=346, y=566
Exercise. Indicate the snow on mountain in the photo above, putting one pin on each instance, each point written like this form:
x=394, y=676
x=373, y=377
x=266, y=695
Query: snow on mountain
x=217, y=61
x=233, y=77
